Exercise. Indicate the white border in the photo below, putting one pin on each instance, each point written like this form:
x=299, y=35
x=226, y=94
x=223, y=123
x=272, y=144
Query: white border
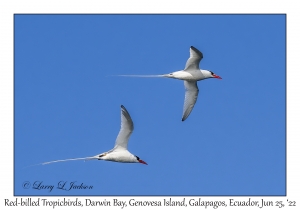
x=9, y=8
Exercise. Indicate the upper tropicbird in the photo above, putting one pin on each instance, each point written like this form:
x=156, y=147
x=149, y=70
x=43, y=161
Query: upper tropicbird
x=119, y=153
x=191, y=74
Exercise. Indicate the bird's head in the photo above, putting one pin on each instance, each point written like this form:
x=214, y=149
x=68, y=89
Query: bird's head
x=138, y=160
x=210, y=74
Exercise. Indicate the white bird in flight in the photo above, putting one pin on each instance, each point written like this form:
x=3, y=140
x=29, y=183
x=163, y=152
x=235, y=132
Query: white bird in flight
x=191, y=74
x=119, y=153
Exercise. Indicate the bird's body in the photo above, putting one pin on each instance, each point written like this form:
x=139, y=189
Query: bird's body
x=119, y=156
x=119, y=153
x=184, y=75
x=191, y=74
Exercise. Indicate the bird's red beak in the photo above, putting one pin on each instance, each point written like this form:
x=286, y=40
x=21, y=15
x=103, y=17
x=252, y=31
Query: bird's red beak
x=216, y=76
x=141, y=161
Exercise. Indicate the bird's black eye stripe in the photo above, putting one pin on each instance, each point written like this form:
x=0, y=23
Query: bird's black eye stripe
x=212, y=73
x=137, y=157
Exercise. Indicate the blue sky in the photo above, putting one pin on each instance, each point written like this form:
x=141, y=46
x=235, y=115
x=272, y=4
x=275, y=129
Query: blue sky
x=67, y=105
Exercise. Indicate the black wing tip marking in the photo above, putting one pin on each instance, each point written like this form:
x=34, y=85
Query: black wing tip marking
x=197, y=51
x=124, y=109
x=126, y=114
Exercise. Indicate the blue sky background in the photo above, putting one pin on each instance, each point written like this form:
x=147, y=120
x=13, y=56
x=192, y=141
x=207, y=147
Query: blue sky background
x=66, y=105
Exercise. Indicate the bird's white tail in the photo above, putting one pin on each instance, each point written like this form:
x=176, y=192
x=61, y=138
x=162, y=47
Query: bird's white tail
x=55, y=161
x=159, y=75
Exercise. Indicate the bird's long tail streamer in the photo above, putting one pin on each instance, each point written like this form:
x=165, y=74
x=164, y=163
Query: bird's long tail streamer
x=55, y=161
x=159, y=75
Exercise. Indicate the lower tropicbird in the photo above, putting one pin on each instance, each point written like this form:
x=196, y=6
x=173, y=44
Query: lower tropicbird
x=119, y=153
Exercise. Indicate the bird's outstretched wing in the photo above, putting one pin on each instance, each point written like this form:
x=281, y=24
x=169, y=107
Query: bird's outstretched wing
x=125, y=131
x=194, y=59
x=191, y=95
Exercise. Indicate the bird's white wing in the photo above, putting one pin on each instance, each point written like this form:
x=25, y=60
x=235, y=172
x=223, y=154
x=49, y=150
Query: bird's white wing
x=125, y=131
x=194, y=59
x=191, y=95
